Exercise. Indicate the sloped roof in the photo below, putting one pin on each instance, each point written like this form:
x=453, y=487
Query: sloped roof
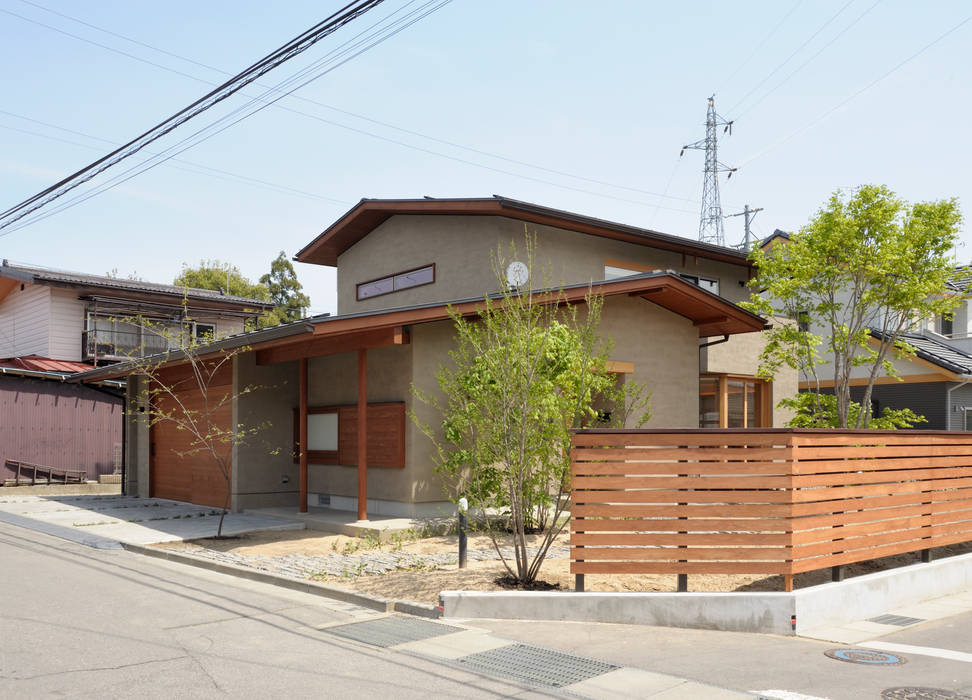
x=368, y=214
x=936, y=351
x=36, y=363
x=40, y=275
x=711, y=314
x=962, y=280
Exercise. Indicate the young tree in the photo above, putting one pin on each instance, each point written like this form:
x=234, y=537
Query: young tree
x=528, y=369
x=866, y=268
x=286, y=293
x=193, y=397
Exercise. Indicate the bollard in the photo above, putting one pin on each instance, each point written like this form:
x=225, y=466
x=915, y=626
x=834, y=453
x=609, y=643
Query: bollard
x=463, y=507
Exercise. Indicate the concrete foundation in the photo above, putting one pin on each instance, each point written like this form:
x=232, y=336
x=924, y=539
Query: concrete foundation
x=774, y=613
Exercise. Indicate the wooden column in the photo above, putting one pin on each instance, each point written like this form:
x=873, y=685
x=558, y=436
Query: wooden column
x=363, y=434
x=302, y=417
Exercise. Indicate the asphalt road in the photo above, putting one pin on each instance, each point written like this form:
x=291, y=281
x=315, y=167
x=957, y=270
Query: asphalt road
x=92, y=623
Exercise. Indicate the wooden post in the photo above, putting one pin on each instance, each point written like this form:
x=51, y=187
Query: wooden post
x=788, y=583
x=302, y=417
x=363, y=434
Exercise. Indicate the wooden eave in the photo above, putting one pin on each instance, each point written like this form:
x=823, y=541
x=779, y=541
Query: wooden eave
x=367, y=215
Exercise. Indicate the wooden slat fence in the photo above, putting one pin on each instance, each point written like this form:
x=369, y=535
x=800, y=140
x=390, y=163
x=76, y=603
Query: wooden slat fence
x=776, y=501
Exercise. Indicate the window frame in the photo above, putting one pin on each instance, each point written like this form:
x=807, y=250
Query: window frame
x=639, y=269
x=763, y=390
x=392, y=277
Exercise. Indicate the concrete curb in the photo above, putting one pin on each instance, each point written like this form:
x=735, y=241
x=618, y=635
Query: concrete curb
x=294, y=584
x=775, y=613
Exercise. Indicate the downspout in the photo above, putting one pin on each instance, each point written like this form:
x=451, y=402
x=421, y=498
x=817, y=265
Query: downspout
x=948, y=400
x=702, y=346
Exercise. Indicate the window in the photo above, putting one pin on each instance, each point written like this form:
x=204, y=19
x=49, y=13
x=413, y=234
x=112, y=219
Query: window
x=395, y=283
x=613, y=272
x=111, y=337
x=803, y=321
x=727, y=401
x=945, y=326
x=205, y=331
x=332, y=435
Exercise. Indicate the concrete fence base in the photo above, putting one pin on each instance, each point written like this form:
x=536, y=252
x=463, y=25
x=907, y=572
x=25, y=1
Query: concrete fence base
x=776, y=613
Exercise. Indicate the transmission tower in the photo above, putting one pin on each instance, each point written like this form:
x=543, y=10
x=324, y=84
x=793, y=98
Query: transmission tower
x=710, y=219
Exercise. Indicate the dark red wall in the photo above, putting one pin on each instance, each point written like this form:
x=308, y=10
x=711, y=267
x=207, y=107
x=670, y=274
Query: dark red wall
x=58, y=425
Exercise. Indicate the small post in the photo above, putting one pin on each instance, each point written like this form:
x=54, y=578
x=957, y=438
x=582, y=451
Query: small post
x=683, y=583
x=925, y=556
x=578, y=583
x=463, y=507
x=788, y=583
x=837, y=573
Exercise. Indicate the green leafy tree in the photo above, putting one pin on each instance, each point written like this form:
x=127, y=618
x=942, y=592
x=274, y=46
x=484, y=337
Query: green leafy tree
x=286, y=293
x=867, y=260
x=524, y=372
x=217, y=275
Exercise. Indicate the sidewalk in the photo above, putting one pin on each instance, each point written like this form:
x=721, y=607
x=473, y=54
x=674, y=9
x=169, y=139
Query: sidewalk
x=127, y=519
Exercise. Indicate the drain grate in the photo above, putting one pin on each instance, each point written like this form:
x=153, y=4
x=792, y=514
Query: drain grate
x=535, y=665
x=389, y=631
x=899, y=620
x=922, y=694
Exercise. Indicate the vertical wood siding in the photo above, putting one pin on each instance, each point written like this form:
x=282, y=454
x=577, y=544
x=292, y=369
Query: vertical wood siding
x=25, y=317
x=59, y=425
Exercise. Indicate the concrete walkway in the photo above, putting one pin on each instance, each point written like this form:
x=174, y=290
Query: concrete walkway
x=345, y=522
x=90, y=519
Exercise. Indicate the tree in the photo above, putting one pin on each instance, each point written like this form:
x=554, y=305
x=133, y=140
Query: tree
x=866, y=268
x=216, y=275
x=286, y=293
x=194, y=398
x=524, y=372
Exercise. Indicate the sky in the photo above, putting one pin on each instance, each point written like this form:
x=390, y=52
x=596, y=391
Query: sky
x=575, y=105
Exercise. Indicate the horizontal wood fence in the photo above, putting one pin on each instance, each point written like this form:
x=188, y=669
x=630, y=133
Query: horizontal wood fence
x=763, y=501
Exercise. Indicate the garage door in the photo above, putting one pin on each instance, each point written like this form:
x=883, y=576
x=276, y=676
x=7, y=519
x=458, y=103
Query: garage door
x=178, y=469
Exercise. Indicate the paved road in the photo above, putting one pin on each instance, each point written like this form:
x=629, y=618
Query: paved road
x=82, y=622
x=760, y=662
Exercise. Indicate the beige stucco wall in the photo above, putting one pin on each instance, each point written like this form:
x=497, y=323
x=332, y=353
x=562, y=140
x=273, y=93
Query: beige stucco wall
x=740, y=355
x=461, y=246
x=266, y=398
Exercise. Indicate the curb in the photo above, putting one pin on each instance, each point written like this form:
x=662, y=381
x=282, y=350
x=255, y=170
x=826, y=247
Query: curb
x=294, y=584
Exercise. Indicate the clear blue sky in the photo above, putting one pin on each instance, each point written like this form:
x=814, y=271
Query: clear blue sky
x=607, y=91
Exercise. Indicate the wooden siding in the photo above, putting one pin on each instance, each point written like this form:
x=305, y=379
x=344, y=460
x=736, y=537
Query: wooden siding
x=25, y=317
x=386, y=436
x=178, y=470
x=68, y=426
x=769, y=502
x=67, y=325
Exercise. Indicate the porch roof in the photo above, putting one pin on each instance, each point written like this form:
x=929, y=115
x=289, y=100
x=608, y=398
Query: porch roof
x=326, y=335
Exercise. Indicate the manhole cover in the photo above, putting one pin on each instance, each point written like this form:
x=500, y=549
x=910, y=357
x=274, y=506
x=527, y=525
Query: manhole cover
x=389, y=631
x=535, y=665
x=922, y=694
x=865, y=656
x=899, y=620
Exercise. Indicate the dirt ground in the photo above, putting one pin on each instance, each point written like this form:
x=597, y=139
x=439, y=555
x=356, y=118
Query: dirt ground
x=423, y=585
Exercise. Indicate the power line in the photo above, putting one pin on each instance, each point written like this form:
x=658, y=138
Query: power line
x=803, y=65
x=864, y=89
x=292, y=48
x=363, y=132
x=790, y=57
x=330, y=60
x=759, y=46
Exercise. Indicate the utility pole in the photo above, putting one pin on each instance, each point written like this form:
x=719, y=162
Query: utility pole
x=710, y=219
x=749, y=215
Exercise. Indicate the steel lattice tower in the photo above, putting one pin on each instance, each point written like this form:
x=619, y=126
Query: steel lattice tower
x=710, y=218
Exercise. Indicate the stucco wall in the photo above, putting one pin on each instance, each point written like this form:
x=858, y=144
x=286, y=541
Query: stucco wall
x=266, y=398
x=460, y=247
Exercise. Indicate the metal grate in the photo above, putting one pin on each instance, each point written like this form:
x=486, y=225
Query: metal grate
x=535, y=665
x=389, y=631
x=899, y=620
x=916, y=693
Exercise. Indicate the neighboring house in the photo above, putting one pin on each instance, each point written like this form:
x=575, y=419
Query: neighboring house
x=55, y=323
x=401, y=266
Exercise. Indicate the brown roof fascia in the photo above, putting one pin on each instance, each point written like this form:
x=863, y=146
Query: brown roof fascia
x=367, y=215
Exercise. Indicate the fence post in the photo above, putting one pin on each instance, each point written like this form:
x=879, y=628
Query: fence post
x=463, y=507
x=925, y=556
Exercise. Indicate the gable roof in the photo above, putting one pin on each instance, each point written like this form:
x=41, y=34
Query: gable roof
x=962, y=280
x=710, y=313
x=368, y=214
x=935, y=351
x=95, y=283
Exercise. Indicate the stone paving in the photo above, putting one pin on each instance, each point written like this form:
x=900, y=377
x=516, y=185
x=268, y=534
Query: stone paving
x=350, y=565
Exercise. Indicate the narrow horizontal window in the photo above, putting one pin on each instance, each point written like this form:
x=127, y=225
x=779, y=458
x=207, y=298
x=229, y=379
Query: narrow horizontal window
x=397, y=282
